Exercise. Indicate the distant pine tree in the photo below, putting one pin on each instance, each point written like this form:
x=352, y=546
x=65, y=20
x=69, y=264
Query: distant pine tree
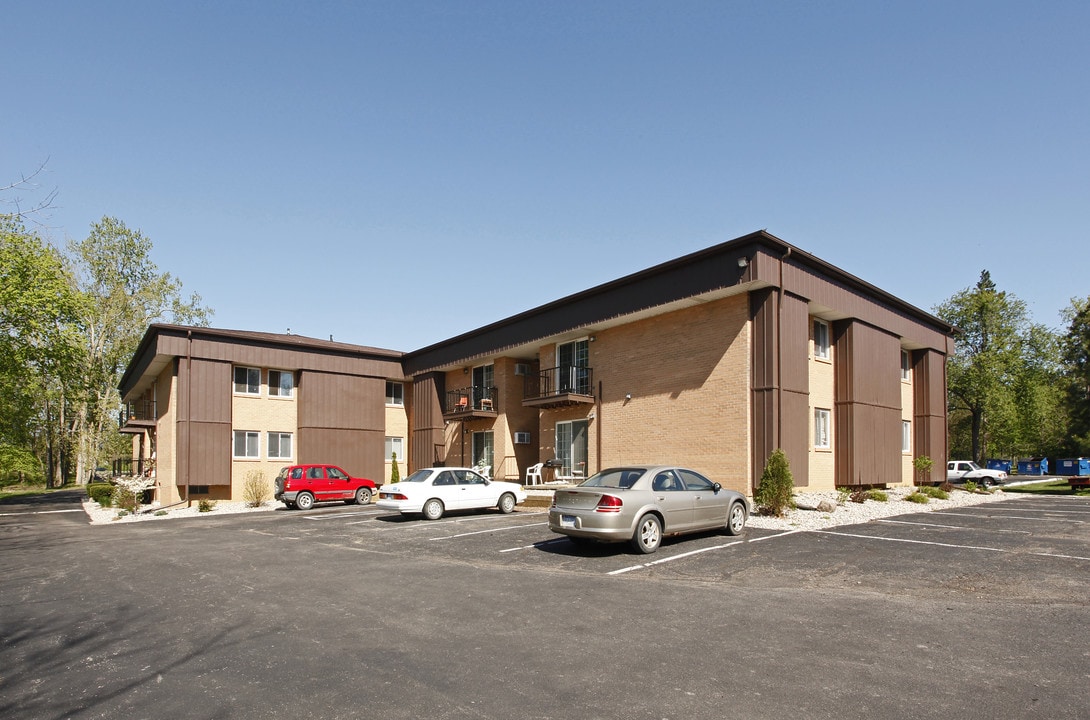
x=395, y=474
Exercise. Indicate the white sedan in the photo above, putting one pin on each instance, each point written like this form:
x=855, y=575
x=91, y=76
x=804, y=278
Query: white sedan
x=433, y=491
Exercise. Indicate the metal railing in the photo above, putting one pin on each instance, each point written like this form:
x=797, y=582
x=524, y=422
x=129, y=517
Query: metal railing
x=482, y=399
x=139, y=410
x=564, y=380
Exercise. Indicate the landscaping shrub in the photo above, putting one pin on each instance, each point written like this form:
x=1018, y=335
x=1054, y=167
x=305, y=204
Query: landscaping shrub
x=877, y=495
x=947, y=486
x=773, y=494
x=206, y=505
x=917, y=497
x=843, y=495
x=255, y=489
x=932, y=491
x=101, y=493
x=395, y=474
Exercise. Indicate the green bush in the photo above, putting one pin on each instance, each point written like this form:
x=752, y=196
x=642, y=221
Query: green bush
x=843, y=495
x=395, y=474
x=931, y=491
x=160, y=513
x=102, y=493
x=970, y=486
x=206, y=505
x=877, y=495
x=125, y=499
x=773, y=494
x=917, y=497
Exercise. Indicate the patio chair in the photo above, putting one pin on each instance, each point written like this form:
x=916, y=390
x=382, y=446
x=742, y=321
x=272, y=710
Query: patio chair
x=533, y=474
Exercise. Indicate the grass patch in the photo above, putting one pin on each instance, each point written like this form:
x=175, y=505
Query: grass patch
x=932, y=492
x=1048, y=487
x=9, y=491
x=917, y=497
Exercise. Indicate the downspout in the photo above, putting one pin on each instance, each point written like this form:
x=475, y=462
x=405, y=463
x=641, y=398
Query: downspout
x=597, y=432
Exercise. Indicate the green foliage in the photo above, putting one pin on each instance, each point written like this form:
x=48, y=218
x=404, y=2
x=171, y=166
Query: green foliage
x=931, y=491
x=395, y=474
x=1076, y=357
x=205, y=505
x=773, y=494
x=843, y=494
x=970, y=486
x=102, y=493
x=1004, y=377
x=255, y=489
x=923, y=465
x=877, y=495
x=125, y=498
x=160, y=513
x=917, y=497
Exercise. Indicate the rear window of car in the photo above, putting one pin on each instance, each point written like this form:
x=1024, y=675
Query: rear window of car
x=418, y=476
x=618, y=478
x=296, y=473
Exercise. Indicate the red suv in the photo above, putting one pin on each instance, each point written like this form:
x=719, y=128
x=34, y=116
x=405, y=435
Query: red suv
x=303, y=485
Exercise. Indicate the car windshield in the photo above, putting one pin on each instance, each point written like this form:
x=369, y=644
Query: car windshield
x=418, y=476
x=617, y=478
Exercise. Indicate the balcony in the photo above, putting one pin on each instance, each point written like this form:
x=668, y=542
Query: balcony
x=559, y=387
x=136, y=417
x=470, y=402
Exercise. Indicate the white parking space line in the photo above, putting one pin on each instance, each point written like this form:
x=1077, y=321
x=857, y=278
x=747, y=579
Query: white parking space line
x=660, y=561
x=952, y=527
x=949, y=545
x=490, y=530
x=1009, y=517
x=39, y=512
x=338, y=516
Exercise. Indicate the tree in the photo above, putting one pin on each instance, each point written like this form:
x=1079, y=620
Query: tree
x=1002, y=376
x=21, y=210
x=124, y=292
x=1076, y=357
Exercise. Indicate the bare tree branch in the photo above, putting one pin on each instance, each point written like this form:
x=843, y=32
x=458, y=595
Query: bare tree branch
x=28, y=182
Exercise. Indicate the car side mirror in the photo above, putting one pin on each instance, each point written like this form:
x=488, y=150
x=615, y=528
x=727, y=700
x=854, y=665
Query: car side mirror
x=716, y=487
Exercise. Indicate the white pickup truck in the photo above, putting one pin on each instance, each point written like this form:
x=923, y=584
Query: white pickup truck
x=960, y=471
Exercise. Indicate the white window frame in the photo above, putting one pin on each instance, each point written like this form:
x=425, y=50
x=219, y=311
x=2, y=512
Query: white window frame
x=823, y=421
x=906, y=437
x=393, y=400
x=248, y=435
x=276, y=390
x=394, y=444
x=821, y=349
x=906, y=366
x=250, y=371
x=280, y=436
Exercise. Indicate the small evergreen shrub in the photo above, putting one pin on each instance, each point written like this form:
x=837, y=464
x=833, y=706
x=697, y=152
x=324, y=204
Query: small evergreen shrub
x=843, y=495
x=947, y=486
x=773, y=494
x=970, y=486
x=931, y=491
x=917, y=497
x=395, y=474
x=102, y=493
x=877, y=495
x=206, y=505
x=160, y=513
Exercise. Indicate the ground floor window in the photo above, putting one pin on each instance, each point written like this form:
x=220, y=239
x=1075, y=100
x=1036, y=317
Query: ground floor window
x=571, y=447
x=247, y=444
x=482, y=449
x=395, y=445
x=280, y=445
x=822, y=420
x=906, y=436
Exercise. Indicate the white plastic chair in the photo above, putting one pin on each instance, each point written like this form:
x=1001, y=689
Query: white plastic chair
x=533, y=474
x=484, y=471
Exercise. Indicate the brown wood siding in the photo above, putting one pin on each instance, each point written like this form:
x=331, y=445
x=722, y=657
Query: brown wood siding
x=929, y=418
x=794, y=344
x=341, y=402
x=204, y=423
x=427, y=446
x=361, y=453
x=867, y=415
x=762, y=309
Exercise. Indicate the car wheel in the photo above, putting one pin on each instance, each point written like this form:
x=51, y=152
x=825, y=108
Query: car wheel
x=507, y=503
x=363, y=496
x=304, y=501
x=736, y=519
x=433, y=509
x=648, y=535
x=987, y=482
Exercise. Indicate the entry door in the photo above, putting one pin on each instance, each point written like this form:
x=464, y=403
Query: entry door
x=572, y=359
x=482, y=450
x=571, y=446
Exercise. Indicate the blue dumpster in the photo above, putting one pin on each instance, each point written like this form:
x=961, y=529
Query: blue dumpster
x=1073, y=466
x=1004, y=465
x=1033, y=466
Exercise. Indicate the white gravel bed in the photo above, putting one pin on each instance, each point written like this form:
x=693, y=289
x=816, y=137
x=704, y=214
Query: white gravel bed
x=111, y=515
x=850, y=512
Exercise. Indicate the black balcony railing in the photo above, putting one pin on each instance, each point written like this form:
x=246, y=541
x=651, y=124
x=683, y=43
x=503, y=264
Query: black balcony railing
x=137, y=413
x=470, y=399
x=557, y=381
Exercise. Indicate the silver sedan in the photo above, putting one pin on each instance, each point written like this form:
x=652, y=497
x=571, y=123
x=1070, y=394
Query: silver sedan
x=644, y=503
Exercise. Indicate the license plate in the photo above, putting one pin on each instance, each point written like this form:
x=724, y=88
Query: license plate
x=567, y=521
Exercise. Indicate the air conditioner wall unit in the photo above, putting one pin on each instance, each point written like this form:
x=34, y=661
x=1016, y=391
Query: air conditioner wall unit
x=522, y=438
x=522, y=368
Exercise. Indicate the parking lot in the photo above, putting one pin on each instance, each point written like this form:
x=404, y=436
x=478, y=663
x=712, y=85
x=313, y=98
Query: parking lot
x=347, y=611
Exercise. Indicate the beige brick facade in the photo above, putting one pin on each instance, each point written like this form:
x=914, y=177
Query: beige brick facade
x=822, y=466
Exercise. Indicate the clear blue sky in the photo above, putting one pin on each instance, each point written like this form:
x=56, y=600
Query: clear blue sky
x=397, y=173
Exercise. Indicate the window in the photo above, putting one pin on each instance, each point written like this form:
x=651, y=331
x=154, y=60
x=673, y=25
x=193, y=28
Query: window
x=906, y=436
x=395, y=394
x=821, y=339
x=483, y=380
x=573, y=360
x=906, y=365
x=571, y=447
x=247, y=444
x=395, y=445
x=281, y=383
x=280, y=445
x=821, y=428
x=247, y=381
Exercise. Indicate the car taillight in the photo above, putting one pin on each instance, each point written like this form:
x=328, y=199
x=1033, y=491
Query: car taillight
x=609, y=504
x=287, y=484
x=395, y=496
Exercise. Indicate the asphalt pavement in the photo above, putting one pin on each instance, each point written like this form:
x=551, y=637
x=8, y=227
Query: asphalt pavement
x=352, y=612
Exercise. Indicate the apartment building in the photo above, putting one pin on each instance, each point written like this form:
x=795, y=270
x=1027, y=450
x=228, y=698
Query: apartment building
x=712, y=360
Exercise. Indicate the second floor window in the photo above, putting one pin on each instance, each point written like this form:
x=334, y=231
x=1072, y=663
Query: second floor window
x=395, y=393
x=247, y=381
x=906, y=365
x=821, y=339
x=281, y=383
